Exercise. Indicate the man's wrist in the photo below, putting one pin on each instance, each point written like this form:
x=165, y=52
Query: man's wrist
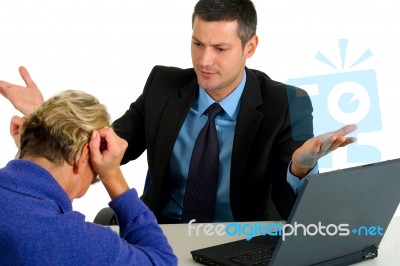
x=299, y=172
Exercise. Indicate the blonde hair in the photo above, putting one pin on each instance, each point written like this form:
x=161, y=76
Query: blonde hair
x=61, y=126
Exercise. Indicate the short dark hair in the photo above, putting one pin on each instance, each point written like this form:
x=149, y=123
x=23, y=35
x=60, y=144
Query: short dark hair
x=243, y=11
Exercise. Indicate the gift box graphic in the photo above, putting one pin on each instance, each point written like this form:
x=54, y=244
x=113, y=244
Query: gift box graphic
x=346, y=97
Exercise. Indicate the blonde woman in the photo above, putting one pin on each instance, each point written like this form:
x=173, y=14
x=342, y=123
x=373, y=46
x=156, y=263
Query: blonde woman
x=64, y=146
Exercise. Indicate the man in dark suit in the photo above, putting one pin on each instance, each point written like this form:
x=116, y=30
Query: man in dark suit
x=265, y=130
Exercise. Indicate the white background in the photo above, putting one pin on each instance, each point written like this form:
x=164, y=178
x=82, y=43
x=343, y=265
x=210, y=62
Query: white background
x=108, y=48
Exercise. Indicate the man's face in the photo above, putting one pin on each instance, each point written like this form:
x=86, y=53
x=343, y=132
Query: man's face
x=218, y=56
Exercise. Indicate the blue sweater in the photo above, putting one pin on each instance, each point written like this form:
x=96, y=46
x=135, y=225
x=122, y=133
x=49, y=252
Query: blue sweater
x=39, y=227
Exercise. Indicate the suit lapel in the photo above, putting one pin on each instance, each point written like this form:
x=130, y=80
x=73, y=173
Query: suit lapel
x=247, y=125
x=174, y=114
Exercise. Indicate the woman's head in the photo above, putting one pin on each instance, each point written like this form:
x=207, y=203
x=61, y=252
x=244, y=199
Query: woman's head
x=61, y=126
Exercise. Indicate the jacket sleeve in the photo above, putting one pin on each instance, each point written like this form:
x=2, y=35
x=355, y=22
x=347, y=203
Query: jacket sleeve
x=131, y=125
x=297, y=128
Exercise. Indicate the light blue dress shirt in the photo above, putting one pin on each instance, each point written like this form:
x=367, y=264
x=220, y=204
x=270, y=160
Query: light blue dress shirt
x=180, y=159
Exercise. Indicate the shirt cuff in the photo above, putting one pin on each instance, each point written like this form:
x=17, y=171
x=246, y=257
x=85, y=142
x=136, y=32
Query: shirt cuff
x=297, y=183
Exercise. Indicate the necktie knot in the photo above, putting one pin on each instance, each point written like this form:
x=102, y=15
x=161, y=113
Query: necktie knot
x=213, y=110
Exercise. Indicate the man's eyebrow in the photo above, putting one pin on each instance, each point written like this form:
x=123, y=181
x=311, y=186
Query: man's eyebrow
x=195, y=39
x=215, y=45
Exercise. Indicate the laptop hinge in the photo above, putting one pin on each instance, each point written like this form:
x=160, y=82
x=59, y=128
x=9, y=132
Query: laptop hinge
x=367, y=253
x=371, y=252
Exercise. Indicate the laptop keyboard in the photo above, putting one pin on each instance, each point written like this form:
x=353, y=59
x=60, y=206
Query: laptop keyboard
x=259, y=256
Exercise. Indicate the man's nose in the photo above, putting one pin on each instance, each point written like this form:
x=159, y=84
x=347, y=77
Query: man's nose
x=207, y=56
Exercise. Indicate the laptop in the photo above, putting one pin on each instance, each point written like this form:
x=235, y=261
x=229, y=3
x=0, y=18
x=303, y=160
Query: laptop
x=339, y=218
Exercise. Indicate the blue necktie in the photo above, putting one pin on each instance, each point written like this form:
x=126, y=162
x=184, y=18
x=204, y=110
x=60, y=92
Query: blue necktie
x=201, y=185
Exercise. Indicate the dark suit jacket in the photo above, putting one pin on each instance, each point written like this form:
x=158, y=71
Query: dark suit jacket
x=263, y=143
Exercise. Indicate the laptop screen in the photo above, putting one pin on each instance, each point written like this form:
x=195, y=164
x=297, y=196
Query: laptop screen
x=340, y=212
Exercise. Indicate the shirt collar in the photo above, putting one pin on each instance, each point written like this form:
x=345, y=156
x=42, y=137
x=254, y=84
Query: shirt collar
x=230, y=103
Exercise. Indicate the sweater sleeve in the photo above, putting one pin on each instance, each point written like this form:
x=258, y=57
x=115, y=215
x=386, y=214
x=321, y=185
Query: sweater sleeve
x=142, y=240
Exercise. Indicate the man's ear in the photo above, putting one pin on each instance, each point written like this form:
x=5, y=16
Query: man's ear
x=83, y=160
x=251, y=46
